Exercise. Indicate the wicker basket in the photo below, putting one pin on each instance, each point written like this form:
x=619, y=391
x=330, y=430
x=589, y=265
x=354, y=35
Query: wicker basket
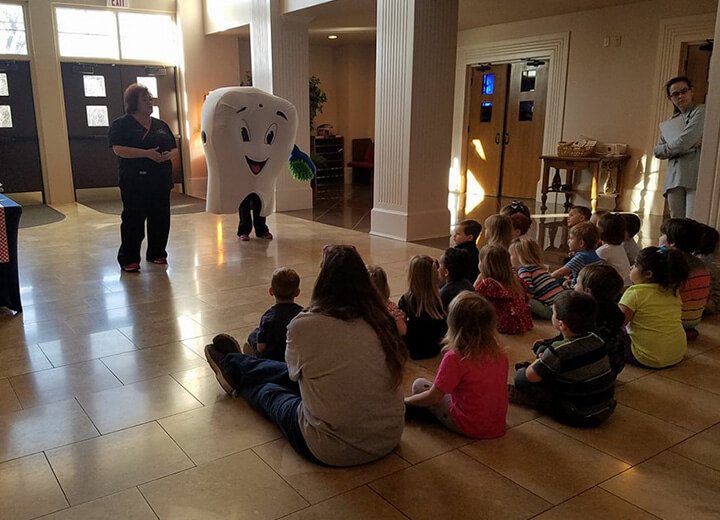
x=581, y=148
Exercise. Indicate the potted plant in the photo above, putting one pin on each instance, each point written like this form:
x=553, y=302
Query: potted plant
x=317, y=100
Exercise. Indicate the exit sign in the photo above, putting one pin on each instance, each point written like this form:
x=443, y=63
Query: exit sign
x=118, y=3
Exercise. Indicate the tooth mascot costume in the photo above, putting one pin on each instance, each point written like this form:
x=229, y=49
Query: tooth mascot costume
x=248, y=136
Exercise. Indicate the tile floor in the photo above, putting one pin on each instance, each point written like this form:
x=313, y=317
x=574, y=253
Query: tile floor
x=107, y=409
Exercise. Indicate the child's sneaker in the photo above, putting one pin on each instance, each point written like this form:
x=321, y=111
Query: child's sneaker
x=244, y=237
x=160, y=261
x=133, y=267
x=267, y=235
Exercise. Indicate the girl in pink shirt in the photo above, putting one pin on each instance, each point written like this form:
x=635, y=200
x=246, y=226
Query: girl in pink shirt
x=469, y=395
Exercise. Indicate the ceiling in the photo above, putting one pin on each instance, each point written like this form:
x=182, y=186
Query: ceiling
x=354, y=20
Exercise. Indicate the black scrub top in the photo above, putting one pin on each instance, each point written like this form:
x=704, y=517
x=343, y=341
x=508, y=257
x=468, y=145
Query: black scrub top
x=127, y=131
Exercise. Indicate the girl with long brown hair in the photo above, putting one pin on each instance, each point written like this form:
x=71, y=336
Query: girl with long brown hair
x=423, y=307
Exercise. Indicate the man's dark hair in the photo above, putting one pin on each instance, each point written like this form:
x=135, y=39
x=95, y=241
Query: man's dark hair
x=457, y=262
x=577, y=310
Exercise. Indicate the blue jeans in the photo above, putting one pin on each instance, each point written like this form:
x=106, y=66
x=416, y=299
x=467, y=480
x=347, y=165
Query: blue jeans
x=266, y=386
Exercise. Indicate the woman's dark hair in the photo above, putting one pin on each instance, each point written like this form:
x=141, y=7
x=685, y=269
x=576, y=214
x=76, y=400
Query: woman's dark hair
x=457, y=262
x=708, y=240
x=343, y=290
x=132, y=96
x=577, y=310
x=612, y=228
x=632, y=224
x=667, y=266
x=682, y=233
x=677, y=79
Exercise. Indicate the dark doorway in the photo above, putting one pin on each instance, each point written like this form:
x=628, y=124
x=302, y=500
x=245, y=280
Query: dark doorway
x=20, y=168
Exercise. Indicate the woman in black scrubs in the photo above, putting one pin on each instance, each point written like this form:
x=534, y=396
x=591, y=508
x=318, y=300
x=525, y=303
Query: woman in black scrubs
x=145, y=147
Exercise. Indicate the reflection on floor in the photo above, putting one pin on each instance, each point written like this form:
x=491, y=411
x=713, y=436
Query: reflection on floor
x=108, y=410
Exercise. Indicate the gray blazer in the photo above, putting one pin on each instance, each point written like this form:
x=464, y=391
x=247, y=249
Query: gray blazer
x=683, y=153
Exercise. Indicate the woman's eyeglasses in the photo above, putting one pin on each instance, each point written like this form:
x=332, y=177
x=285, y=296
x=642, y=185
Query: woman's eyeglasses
x=679, y=93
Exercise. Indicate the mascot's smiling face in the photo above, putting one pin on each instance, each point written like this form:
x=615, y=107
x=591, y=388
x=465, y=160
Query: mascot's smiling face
x=248, y=135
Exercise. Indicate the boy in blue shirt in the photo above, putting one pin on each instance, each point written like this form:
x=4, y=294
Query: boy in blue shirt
x=583, y=238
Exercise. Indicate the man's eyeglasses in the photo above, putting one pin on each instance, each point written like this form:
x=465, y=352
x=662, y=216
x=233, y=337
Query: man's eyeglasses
x=679, y=93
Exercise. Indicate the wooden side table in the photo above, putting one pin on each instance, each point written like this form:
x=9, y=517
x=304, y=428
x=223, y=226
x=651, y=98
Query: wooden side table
x=571, y=165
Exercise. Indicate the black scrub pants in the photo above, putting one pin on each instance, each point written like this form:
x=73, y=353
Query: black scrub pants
x=140, y=204
x=249, y=212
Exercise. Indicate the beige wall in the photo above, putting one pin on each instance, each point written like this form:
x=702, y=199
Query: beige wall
x=609, y=89
x=210, y=62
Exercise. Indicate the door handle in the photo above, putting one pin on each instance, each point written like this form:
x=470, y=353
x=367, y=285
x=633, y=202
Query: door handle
x=506, y=139
x=497, y=138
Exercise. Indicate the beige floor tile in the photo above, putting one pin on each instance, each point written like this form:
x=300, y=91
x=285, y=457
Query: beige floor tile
x=137, y=403
x=22, y=360
x=517, y=415
x=59, y=384
x=240, y=486
x=680, y=404
x=595, y=504
x=703, y=448
x=202, y=384
x=631, y=373
x=228, y=318
x=155, y=332
x=359, y=504
x=423, y=440
x=84, y=348
x=628, y=435
x=219, y=430
x=455, y=486
x=670, y=486
x=28, y=489
x=316, y=483
x=111, y=463
x=148, y=363
x=8, y=399
x=42, y=428
x=128, y=505
x=700, y=371
x=31, y=333
x=527, y=453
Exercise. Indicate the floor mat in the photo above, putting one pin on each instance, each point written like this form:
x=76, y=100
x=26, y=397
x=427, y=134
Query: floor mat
x=179, y=204
x=39, y=215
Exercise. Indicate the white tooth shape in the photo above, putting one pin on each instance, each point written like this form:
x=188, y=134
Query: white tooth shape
x=247, y=135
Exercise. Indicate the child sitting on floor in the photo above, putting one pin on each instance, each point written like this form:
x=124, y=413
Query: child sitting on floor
x=421, y=304
x=632, y=228
x=653, y=308
x=577, y=215
x=611, y=227
x=595, y=218
x=542, y=288
x=378, y=277
x=498, y=231
x=571, y=379
x=269, y=339
x=683, y=234
x=519, y=214
x=582, y=240
x=452, y=275
x=502, y=287
x=707, y=253
x=465, y=238
x=469, y=394
x=603, y=283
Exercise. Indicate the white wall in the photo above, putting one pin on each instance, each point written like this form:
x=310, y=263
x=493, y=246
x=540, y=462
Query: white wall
x=609, y=89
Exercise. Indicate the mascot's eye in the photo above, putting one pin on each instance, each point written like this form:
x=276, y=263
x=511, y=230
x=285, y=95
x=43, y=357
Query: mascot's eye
x=244, y=132
x=270, y=134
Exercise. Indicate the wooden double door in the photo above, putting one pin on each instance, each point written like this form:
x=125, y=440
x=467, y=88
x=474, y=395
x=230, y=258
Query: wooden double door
x=94, y=98
x=505, y=128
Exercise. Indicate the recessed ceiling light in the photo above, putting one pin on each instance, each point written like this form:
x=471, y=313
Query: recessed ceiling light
x=332, y=37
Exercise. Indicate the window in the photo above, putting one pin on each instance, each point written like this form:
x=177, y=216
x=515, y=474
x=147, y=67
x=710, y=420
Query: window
x=97, y=115
x=485, y=112
x=147, y=37
x=488, y=84
x=4, y=85
x=527, y=81
x=5, y=116
x=94, y=86
x=526, y=110
x=87, y=33
x=150, y=83
x=12, y=30
x=156, y=112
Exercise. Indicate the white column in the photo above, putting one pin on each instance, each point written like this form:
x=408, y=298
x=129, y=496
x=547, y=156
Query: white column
x=279, y=51
x=415, y=74
x=707, y=199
